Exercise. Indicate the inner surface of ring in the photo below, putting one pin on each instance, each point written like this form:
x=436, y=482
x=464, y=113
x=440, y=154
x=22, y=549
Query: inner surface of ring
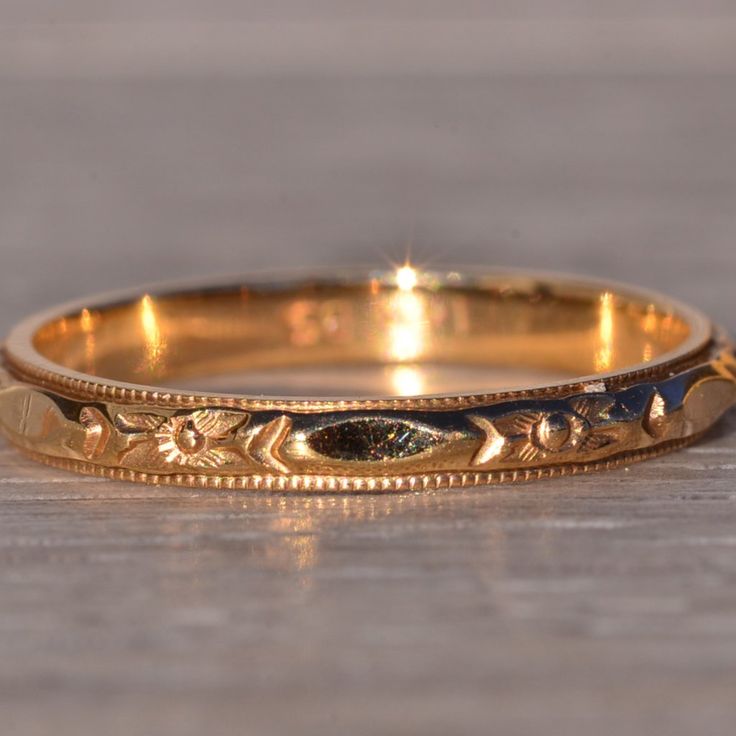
x=512, y=328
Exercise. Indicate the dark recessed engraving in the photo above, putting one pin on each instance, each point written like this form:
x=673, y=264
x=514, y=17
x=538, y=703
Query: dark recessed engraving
x=372, y=440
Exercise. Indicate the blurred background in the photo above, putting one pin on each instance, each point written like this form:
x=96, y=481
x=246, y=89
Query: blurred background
x=156, y=138
x=152, y=139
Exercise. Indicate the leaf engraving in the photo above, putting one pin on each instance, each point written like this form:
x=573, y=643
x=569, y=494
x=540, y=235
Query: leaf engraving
x=264, y=445
x=135, y=422
x=218, y=423
x=96, y=432
x=655, y=415
x=493, y=445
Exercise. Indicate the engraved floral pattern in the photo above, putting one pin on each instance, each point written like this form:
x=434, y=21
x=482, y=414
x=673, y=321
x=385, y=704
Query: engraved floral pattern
x=578, y=426
x=199, y=439
x=144, y=435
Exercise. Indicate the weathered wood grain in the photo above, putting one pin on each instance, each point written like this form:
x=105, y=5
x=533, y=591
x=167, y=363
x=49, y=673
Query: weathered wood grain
x=602, y=604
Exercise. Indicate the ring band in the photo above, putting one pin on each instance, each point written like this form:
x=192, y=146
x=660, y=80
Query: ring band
x=635, y=374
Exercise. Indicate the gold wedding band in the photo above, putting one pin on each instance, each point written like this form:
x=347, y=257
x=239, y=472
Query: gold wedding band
x=90, y=387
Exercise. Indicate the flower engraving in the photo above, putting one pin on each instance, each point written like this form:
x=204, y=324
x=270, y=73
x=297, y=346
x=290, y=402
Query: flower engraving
x=199, y=439
x=579, y=425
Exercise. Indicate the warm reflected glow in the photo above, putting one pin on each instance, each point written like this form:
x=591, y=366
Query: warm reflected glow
x=407, y=380
x=149, y=320
x=406, y=342
x=406, y=277
x=152, y=334
x=604, y=356
x=647, y=353
x=86, y=322
x=294, y=545
x=650, y=321
x=407, y=319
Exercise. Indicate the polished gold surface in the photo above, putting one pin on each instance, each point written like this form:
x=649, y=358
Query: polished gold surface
x=504, y=321
x=628, y=375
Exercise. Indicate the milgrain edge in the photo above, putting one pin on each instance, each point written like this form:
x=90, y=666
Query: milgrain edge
x=363, y=484
x=91, y=390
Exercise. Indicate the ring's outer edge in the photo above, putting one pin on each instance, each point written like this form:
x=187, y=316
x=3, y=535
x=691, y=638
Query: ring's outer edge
x=26, y=364
x=317, y=484
x=422, y=442
x=504, y=441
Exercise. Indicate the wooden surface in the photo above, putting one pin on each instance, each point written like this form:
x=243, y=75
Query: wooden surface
x=603, y=604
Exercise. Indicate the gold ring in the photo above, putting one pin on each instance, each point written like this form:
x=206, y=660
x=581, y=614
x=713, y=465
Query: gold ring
x=105, y=386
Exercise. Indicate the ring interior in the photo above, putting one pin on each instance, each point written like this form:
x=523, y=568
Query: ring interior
x=519, y=324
